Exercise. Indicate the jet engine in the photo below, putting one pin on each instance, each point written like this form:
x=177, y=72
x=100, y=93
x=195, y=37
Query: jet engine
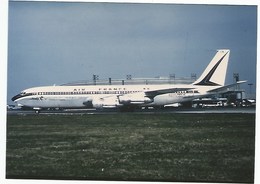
x=106, y=102
x=134, y=99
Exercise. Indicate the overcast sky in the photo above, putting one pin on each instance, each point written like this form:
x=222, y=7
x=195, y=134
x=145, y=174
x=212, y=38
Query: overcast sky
x=55, y=43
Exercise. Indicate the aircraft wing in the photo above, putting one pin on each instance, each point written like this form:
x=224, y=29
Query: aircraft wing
x=226, y=87
x=152, y=94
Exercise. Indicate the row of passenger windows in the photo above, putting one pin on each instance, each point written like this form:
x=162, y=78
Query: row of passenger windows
x=115, y=89
x=86, y=92
x=97, y=92
x=195, y=91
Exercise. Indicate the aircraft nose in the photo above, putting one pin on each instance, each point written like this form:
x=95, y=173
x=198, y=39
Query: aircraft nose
x=16, y=97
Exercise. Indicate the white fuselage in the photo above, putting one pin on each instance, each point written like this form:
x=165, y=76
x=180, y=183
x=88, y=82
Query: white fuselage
x=105, y=96
x=112, y=96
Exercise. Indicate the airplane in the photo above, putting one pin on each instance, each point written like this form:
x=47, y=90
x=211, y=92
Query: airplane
x=209, y=83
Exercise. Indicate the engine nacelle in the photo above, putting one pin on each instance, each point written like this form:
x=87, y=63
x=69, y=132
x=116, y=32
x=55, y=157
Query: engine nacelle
x=135, y=98
x=106, y=102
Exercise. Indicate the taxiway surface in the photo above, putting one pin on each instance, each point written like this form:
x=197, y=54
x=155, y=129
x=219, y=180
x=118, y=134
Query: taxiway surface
x=248, y=110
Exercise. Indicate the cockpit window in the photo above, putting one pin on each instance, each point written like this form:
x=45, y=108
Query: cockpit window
x=22, y=94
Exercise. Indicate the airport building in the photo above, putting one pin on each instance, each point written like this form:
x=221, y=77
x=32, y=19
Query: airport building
x=136, y=81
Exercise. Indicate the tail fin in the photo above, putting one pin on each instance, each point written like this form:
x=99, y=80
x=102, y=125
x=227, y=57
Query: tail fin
x=215, y=73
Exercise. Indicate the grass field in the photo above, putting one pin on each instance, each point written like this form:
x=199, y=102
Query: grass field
x=143, y=147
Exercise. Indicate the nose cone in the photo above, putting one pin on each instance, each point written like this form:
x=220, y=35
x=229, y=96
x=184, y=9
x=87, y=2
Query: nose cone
x=16, y=97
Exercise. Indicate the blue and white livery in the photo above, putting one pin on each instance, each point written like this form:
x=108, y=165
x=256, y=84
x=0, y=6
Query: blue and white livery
x=119, y=96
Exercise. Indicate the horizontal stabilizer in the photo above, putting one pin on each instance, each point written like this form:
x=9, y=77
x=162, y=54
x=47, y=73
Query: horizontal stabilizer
x=227, y=86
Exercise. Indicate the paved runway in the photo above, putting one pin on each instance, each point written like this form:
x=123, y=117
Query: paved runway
x=248, y=110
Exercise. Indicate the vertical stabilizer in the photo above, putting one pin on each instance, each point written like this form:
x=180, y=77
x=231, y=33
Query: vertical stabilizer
x=215, y=73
